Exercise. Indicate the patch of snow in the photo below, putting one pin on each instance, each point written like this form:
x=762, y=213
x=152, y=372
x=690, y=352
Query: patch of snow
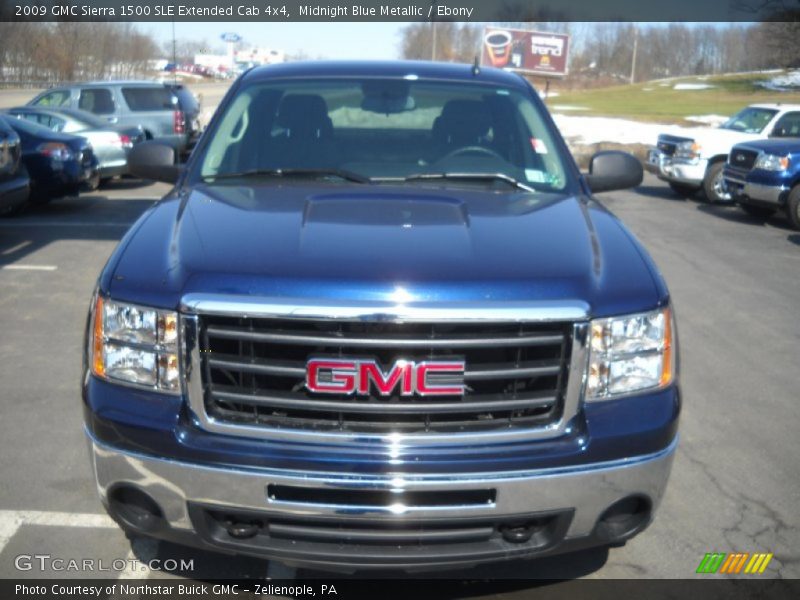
x=790, y=81
x=713, y=120
x=692, y=86
x=569, y=107
x=549, y=95
x=593, y=130
x=647, y=89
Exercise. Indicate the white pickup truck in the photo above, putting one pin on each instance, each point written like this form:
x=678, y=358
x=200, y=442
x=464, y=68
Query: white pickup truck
x=690, y=163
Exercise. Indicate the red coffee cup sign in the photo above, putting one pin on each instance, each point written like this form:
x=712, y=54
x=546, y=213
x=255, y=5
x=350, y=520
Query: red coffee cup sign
x=498, y=47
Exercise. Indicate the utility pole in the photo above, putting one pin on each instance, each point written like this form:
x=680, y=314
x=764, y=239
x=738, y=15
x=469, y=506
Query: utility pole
x=433, y=31
x=635, y=48
x=174, y=56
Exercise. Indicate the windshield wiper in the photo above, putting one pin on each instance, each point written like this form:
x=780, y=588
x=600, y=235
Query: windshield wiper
x=340, y=173
x=484, y=176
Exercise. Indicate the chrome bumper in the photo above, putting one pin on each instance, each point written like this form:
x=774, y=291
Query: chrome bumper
x=586, y=490
x=676, y=170
x=765, y=193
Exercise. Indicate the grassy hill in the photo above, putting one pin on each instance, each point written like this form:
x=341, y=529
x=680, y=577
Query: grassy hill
x=658, y=100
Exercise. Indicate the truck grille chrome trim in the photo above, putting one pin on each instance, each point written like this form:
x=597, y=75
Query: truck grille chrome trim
x=251, y=385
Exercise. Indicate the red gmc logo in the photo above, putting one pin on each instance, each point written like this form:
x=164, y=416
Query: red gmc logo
x=357, y=376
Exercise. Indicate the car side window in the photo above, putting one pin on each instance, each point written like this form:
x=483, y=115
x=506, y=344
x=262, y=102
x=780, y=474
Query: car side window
x=97, y=101
x=56, y=98
x=788, y=125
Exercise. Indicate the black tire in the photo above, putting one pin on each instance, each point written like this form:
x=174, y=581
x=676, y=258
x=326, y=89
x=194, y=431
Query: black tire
x=761, y=213
x=91, y=184
x=104, y=181
x=714, y=185
x=683, y=190
x=793, y=207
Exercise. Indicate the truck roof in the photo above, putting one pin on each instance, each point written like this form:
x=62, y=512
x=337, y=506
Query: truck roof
x=391, y=69
x=777, y=105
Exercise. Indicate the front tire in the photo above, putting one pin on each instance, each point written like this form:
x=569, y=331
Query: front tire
x=762, y=213
x=714, y=185
x=793, y=207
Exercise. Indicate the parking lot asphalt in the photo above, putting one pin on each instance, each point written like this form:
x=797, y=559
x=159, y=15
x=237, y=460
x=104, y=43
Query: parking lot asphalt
x=735, y=483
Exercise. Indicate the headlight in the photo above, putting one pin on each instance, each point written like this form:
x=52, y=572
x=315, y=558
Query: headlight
x=135, y=344
x=688, y=149
x=772, y=162
x=631, y=354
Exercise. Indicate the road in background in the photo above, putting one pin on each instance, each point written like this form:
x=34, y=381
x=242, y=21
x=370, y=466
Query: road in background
x=735, y=480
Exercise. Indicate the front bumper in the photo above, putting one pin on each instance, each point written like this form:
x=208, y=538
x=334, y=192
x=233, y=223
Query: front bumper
x=564, y=506
x=748, y=192
x=676, y=170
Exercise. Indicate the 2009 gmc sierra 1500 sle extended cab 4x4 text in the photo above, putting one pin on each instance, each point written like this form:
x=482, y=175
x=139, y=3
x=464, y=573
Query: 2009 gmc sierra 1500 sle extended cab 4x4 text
x=380, y=322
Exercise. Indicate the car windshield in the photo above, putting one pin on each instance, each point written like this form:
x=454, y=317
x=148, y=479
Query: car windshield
x=750, y=120
x=386, y=130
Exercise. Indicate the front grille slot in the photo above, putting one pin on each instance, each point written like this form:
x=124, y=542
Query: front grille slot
x=254, y=371
x=380, y=498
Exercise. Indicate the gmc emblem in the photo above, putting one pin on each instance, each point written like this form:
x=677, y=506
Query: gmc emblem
x=362, y=376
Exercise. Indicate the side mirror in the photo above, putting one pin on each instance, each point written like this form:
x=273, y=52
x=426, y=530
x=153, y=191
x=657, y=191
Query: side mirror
x=154, y=160
x=613, y=170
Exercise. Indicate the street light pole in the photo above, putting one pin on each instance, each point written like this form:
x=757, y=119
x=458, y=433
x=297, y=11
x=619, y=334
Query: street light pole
x=433, y=30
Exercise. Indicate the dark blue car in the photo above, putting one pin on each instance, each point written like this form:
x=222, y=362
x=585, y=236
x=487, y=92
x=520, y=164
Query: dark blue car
x=380, y=321
x=764, y=176
x=58, y=164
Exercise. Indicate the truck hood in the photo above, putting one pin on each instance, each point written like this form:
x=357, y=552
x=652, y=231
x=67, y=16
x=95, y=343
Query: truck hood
x=715, y=141
x=356, y=242
x=780, y=146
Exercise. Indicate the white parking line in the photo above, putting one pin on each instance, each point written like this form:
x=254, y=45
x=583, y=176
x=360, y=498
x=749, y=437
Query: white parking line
x=29, y=267
x=12, y=520
x=19, y=246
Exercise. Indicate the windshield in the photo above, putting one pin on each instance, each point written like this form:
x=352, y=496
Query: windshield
x=386, y=130
x=750, y=120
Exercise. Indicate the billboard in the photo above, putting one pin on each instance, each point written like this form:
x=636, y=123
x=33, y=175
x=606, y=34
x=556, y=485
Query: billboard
x=533, y=52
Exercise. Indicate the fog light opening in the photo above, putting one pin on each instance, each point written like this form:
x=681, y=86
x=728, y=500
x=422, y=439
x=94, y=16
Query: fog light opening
x=135, y=509
x=624, y=519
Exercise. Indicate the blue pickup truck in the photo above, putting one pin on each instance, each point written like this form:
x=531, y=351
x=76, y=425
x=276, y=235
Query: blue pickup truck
x=380, y=322
x=763, y=177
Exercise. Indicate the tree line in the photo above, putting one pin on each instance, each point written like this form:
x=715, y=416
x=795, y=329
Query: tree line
x=68, y=51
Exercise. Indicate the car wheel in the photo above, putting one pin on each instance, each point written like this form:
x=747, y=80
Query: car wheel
x=104, y=181
x=714, y=185
x=793, y=207
x=683, y=190
x=758, y=212
x=92, y=183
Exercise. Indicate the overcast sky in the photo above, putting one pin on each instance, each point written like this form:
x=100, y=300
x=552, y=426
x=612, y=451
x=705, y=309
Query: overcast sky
x=323, y=40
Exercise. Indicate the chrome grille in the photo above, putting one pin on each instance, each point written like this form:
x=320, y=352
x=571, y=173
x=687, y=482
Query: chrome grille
x=743, y=159
x=253, y=373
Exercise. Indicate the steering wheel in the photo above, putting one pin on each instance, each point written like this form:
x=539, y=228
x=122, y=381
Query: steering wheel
x=471, y=150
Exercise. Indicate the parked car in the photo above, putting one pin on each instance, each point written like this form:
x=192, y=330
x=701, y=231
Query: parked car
x=190, y=107
x=764, y=176
x=690, y=164
x=154, y=107
x=111, y=144
x=380, y=321
x=59, y=164
x=14, y=181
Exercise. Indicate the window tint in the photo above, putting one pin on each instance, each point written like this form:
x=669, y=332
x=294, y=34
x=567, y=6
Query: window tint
x=148, y=98
x=750, y=120
x=97, y=101
x=57, y=98
x=386, y=129
x=788, y=125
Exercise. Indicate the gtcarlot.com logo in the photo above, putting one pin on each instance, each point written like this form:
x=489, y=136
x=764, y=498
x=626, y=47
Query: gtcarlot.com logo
x=735, y=563
x=47, y=562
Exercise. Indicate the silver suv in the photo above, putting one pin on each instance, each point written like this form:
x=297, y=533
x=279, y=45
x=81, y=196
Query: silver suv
x=166, y=112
